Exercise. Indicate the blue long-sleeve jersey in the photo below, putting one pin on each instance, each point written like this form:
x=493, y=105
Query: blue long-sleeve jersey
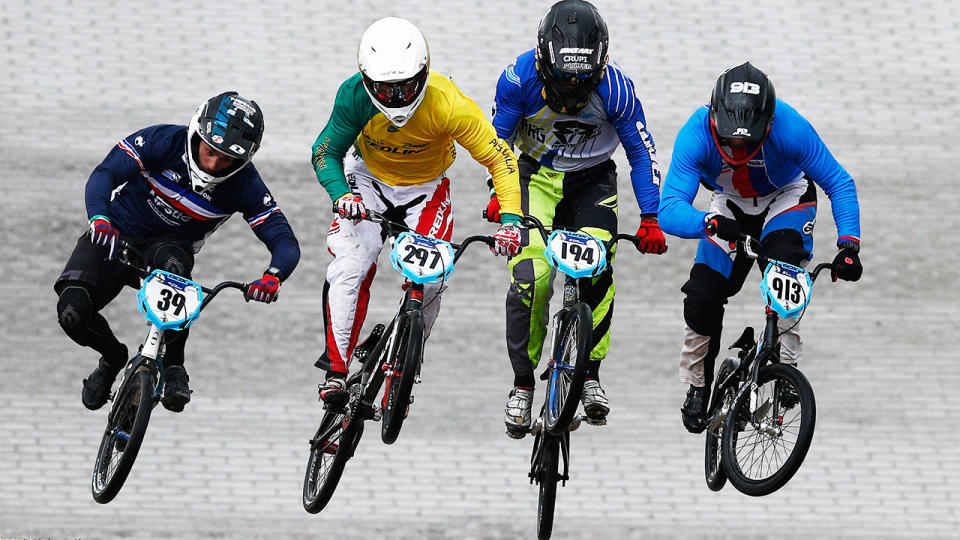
x=143, y=188
x=566, y=142
x=792, y=151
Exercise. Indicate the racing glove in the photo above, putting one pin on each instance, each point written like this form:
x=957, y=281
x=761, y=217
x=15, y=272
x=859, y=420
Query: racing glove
x=846, y=265
x=350, y=206
x=723, y=227
x=492, y=213
x=265, y=289
x=651, y=237
x=507, y=240
x=103, y=234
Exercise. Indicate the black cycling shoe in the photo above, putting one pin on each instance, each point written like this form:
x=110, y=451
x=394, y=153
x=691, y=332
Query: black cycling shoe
x=96, y=387
x=176, y=391
x=694, y=410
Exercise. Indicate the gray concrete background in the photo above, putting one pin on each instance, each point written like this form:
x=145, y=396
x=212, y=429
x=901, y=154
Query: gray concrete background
x=878, y=79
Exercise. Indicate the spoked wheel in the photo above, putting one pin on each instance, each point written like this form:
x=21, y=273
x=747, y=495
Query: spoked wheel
x=126, y=427
x=331, y=447
x=723, y=397
x=571, y=354
x=763, y=446
x=406, y=354
x=547, y=475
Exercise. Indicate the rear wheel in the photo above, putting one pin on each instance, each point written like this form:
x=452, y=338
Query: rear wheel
x=406, y=355
x=331, y=447
x=571, y=354
x=126, y=426
x=548, y=474
x=764, y=446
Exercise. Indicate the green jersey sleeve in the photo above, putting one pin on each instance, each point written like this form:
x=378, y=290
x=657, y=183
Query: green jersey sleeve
x=352, y=109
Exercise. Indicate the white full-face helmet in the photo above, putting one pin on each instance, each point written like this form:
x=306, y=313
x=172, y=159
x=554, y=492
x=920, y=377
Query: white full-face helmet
x=395, y=64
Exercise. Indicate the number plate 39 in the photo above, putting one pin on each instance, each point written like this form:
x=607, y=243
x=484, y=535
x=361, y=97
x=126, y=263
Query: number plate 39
x=576, y=254
x=422, y=259
x=169, y=301
x=786, y=288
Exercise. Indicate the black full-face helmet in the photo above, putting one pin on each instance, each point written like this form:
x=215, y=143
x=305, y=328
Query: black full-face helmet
x=742, y=107
x=231, y=125
x=571, y=54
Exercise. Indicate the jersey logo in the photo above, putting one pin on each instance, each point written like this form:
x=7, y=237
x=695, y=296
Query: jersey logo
x=572, y=132
x=138, y=141
x=512, y=74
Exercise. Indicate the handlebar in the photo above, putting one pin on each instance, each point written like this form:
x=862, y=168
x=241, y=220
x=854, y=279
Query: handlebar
x=393, y=228
x=532, y=222
x=753, y=249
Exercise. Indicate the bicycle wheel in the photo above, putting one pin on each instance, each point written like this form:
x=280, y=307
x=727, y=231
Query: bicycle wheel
x=406, y=354
x=548, y=473
x=723, y=397
x=121, y=440
x=764, y=447
x=571, y=354
x=331, y=447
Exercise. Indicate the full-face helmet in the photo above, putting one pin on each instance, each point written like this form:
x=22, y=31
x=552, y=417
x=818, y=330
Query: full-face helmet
x=231, y=125
x=395, y=64
x=742, y=107
x=571, y=54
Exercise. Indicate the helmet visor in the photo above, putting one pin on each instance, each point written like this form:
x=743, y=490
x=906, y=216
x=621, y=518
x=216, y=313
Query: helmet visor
x=395, y=94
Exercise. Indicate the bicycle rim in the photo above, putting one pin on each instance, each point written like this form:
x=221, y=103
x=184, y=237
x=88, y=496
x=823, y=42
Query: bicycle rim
x=565, y=384
x=328, y=455
x=547, y=479
x=764, y=448
x=405, y=366
x=126, y=427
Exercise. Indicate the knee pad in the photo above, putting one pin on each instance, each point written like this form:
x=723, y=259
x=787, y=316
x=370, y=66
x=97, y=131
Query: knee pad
x=74, y=308
x=705, y=296
x=173, y=257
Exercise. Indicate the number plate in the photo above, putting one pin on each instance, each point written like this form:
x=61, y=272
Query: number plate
x=169, y=301
x=786, y=288
x=576, y=254
x=422, y=259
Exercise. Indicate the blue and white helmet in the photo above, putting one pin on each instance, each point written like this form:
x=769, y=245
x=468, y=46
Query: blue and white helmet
x=232, y=125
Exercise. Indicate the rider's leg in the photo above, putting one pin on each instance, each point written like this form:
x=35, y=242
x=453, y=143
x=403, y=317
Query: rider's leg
x=87, y=284
x=528, y=298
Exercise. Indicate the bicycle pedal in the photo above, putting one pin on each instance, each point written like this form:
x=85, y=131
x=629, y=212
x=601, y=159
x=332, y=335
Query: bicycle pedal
x=595, y=421
x=377, y=414
x=516, y=434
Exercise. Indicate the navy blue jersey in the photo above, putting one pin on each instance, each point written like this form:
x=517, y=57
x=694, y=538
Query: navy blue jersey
x=793, y=150
x=143, y=188
x=565, y=142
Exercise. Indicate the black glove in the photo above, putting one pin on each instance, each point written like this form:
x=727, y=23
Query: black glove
x=726, y=228
x=846, y=265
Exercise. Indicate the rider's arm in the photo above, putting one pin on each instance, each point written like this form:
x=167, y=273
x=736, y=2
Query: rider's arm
x=808, y=151
x=677, y=213
x=626, y=114
x=270, y=225
x=468, y=127
x=352, y=109
x=507, y=110
x=124, y=162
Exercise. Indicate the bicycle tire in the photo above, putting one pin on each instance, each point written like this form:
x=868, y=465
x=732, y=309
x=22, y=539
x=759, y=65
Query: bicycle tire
x=330, y=449
x=126, y=426
x=737, y=446
x=571, y=347
x=405, y=358
x=547, y=477
x=723, y=395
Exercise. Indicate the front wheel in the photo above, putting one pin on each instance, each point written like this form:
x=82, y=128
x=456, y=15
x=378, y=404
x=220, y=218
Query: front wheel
x=723, y=396
x=547, y=475
x=764, y=443
x=126, y=426
x=406, y=355
x=330, y=448
x=571, y=354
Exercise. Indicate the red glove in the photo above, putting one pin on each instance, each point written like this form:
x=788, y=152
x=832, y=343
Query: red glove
x=492, y=213
x=264, y=289
x=103, y=234
x=507, y=240
x=350, y=206
x=651, y=237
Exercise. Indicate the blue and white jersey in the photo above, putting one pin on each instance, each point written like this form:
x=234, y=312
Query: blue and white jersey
x=143, y=188
x=793, y=150
x=564, y=142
